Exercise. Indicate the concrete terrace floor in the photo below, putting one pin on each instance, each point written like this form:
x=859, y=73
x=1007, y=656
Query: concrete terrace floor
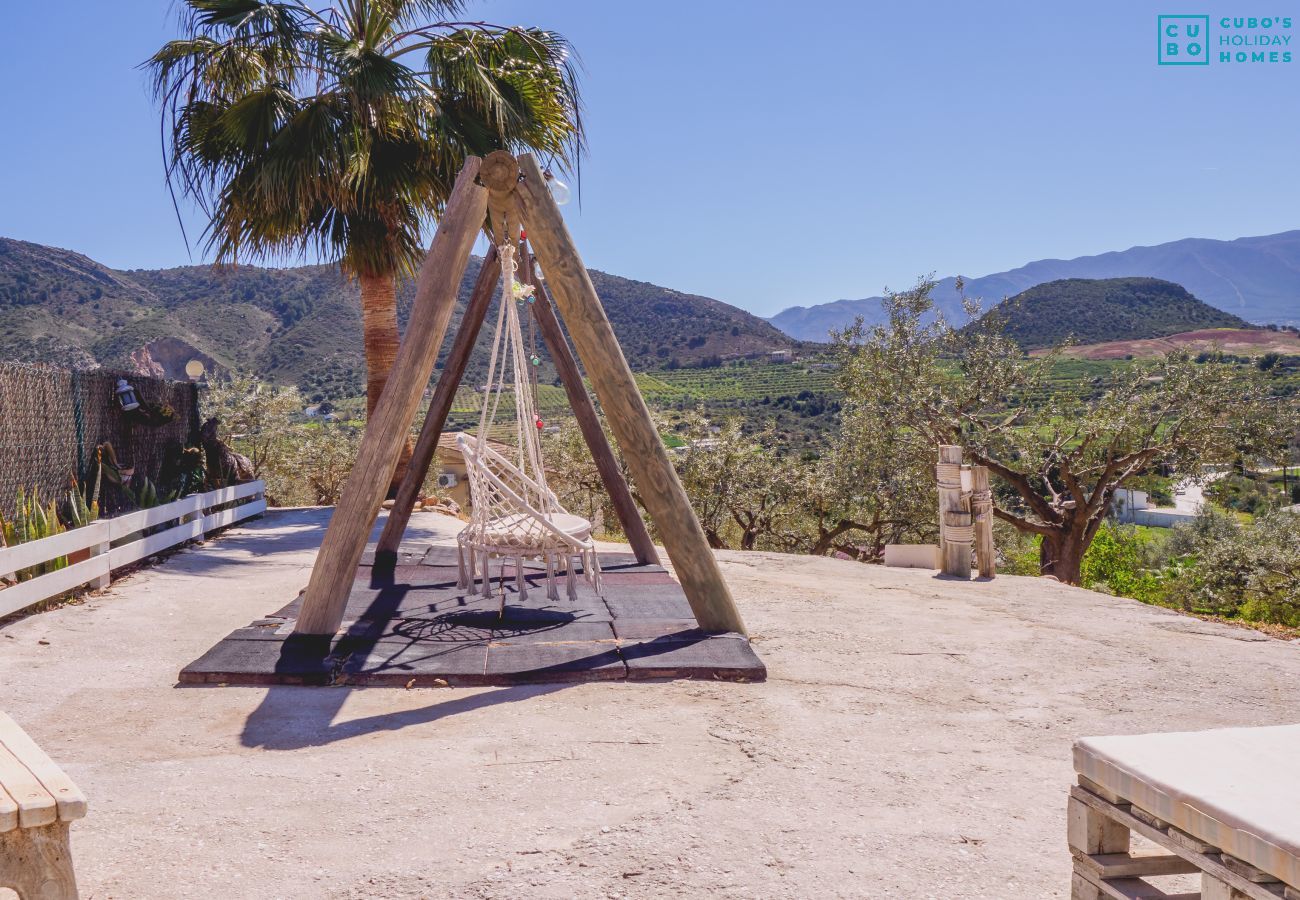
x=912, y=741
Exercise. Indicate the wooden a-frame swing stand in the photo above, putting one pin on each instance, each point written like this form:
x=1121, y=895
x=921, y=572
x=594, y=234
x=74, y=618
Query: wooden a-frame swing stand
x=516, y=193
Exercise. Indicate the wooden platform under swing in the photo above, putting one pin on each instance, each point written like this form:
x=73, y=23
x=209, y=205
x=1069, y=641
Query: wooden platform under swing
x=393, y=614
x=410, y=625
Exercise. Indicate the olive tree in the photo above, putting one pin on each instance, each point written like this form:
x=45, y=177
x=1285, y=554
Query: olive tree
x=255, y=417
x=869, y=487
x=302, y=461
x=736, y=483
x=864, y=489
x=574, y=476
x=1060, y=449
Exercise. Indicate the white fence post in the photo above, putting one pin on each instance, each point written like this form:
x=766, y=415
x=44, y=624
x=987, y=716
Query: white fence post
x=101, y=549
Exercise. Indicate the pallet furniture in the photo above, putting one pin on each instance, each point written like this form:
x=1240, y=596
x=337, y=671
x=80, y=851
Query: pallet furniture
x=37, y=803
x=913, y=556
x=1222, y=803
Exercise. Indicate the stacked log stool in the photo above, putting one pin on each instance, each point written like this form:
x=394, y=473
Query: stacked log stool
x=37, y=804
x=965, y=515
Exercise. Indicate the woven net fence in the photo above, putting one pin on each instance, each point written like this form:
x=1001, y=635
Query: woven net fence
x=53, y=420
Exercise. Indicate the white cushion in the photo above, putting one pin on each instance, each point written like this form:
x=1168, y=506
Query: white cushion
x=520, y=529
x=1235, y=788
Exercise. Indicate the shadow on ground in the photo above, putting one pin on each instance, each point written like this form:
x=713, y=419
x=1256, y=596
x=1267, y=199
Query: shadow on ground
x=292, y=718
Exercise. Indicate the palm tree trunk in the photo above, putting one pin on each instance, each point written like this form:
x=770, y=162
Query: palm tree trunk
x=381, y=338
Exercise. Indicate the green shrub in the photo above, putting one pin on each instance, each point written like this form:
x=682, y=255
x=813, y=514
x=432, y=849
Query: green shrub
x=1017, y=551
x=1126, y=561
x=1250, y=571
x=1247, y=493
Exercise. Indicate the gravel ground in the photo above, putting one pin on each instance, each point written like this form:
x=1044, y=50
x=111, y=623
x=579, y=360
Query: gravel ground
x=912, y=741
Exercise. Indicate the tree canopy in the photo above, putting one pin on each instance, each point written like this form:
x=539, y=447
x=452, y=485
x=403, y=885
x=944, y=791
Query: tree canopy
x=1059, y=455
x=338, y=128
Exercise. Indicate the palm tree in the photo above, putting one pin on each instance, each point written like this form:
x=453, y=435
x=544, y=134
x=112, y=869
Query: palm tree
x=336, y=131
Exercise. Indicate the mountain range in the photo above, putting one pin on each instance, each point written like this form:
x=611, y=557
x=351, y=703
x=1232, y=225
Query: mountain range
x=1255, y=278
x=299, y=325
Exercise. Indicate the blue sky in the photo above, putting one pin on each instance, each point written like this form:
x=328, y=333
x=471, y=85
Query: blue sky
x=767, y=154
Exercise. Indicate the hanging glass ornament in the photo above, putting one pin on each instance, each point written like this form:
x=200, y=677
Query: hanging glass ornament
x=559, y=190
x=521, y=292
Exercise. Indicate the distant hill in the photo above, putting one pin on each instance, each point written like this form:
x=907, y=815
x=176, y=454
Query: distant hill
x=1247, y=342
x=298, y=325
x=1256, y=278
x=1091, y=311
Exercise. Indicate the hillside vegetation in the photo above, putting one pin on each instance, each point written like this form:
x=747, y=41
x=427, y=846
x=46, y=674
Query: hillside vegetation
x=298, y=325
x=1091, y=311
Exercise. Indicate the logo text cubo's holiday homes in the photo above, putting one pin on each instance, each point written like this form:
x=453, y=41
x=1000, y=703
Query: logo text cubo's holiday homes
x=1186, y=40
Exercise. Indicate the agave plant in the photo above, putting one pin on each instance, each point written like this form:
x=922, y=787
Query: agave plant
x=77, y=511
x=32, y=521
x=144, y=493
x=336, y=130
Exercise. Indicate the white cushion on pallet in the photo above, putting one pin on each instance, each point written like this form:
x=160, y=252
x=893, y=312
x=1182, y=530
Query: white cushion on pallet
x=1235, y=788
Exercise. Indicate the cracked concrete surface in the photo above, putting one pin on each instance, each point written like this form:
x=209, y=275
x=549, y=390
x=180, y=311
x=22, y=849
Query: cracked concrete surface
x=913, y=741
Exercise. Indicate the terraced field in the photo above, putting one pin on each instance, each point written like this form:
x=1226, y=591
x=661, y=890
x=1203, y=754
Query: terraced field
x=552, y=406
x=748, y=381
x=1239, y=341
x=719, y=389
x=798, y=397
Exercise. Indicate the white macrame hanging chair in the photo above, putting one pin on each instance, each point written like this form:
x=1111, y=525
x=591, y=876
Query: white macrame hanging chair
x=514, y=514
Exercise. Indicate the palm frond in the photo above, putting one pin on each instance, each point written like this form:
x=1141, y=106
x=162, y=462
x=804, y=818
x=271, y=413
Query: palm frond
x=300, y=128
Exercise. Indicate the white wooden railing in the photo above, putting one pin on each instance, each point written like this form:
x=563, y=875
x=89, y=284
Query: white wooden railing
x=113, y=543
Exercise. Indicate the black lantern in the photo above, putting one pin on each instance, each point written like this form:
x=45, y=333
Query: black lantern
x=126, y=396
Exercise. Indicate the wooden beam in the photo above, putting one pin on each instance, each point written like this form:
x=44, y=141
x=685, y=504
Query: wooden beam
x=1091, y=831
x=954, y=514
x=1247, y=871
x=38, y=863
x=1133, y=865
x=386, y=431
x=1214, y=889
x=621, y=400
x=981, y=507
x=629, y=517
x=453, y=371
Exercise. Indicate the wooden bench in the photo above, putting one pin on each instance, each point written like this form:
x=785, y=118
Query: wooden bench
x=1222, y=803
x=37, y=803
